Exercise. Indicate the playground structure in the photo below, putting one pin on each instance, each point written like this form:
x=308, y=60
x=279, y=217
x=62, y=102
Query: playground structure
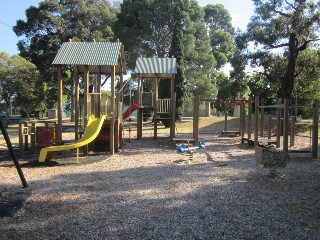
x=241, y=103
x=91, y=132
x=226, y=103
x=39, y=133
x=97, y=59
x=282, y=125
x=154, y=69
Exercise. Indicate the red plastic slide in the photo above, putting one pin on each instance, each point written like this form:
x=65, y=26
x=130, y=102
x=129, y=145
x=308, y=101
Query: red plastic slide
x=130, y=109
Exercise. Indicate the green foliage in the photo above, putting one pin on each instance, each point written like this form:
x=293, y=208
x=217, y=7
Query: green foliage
x=224, y=85
x=177, y=51
x=218, y=21
x=307, y=85
x=147, y=29
x=289, y=27
x=20, y=84
x=261, y=87
x=271, y=67
x=55, y=21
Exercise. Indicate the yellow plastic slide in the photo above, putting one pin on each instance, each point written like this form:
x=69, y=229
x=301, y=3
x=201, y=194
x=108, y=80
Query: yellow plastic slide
x=91, y=132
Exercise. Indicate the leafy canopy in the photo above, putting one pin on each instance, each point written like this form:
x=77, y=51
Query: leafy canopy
x=288, y=26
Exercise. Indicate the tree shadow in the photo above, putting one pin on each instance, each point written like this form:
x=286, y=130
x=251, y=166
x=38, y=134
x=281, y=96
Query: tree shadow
x=171, y=199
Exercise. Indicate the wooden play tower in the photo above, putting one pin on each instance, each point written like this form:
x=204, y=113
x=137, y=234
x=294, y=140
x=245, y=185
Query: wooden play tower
x=156, y=69
x=91, y=59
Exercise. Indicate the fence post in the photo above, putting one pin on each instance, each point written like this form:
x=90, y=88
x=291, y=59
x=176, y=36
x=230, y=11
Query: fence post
x=315, y=129
x=256, y=116
x=285, y=124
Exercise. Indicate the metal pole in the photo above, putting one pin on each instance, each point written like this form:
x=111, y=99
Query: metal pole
x=13, y=156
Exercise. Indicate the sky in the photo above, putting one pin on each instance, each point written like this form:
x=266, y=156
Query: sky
x=12, y=10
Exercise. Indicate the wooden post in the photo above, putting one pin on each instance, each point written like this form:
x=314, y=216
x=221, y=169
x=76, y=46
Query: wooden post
x=278, y=127
x=249, y=121
x=76, y=105
x=117, y=122
x=121, y=84
x=172, y=109
x=59, y=126
x=292, y=132
x=86, y=111
x=315, y=129
x=21, y=125
x=98, y=96
x=26, y=136
x=285, y=125
x=208, y=112
x=139, y=92
x=92, y=96
x=112, y=120
x=269, y=125
x=262, y=118
x=242, y=120
x=139, y=112
x=33, y=137
x=196, y=119
x=155, y=106
x=256, y=126
x=139, y=123
x=225, y=117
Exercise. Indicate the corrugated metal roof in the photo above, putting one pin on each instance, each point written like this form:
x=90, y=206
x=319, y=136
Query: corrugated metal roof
x=156, y=66
x=88, y=53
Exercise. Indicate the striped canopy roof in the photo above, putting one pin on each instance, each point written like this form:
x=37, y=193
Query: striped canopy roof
x=156, y=67
x=98, y=56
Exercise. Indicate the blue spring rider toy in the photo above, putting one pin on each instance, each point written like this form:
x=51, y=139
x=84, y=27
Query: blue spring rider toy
x=187, y=149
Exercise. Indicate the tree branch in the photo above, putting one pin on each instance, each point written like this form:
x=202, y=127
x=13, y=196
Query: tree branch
x=282, y=13
x=280, y=45
x=291, y=5
x=305, y=44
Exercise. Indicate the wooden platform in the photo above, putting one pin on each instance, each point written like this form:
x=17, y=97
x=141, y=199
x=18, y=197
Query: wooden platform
x=230, y=133
x=261, y=141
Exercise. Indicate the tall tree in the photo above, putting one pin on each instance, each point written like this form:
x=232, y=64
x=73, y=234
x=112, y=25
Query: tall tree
x=199, y=60
x=146, y=28
x=286, y=25
x=218, y=21
x=56, y=21
x=177, y=51
x=20, y=84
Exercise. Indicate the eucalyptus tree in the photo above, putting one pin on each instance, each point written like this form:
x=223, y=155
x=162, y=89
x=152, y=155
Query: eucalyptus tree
x=221, y=31
x=177, y=51
x=146, y=27
x=288, y=26
x=199, y=60
x=56, y=21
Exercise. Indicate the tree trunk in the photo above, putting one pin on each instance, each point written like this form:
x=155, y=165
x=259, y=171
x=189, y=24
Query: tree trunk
x=288, y=81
